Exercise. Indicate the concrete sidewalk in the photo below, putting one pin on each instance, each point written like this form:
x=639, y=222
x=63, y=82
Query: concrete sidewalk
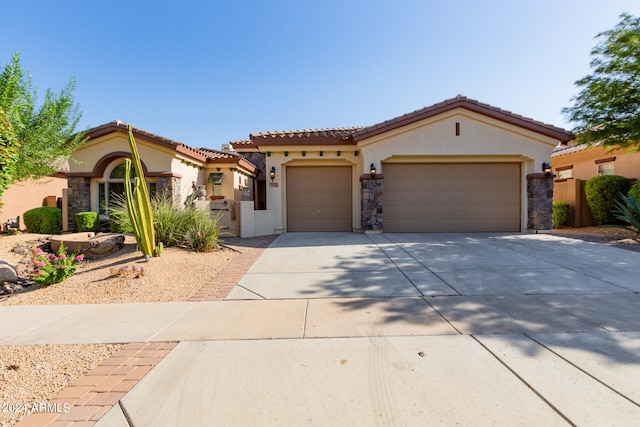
x=347, y=329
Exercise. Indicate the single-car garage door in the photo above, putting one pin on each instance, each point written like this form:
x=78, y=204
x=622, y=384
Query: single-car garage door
x=451, y=197
x=319, y=198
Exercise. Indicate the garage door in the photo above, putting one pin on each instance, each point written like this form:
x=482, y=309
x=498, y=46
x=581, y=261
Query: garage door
x=319, y=198
x=451, y=197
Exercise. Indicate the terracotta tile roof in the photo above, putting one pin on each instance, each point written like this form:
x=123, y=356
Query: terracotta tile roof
x=120, y=126
x=245, y=143
x=218, y=156
x=562, y=150
x=341, y=133
x=350, y=135
x=462, y=101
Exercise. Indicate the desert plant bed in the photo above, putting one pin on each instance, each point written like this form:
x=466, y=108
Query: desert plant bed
x=174, y=276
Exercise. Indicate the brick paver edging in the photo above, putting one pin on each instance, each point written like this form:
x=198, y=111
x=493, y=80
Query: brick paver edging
x=93, y=395
x=219, y=287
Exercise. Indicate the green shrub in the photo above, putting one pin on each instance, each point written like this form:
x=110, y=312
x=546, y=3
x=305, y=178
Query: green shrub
x=87, y=221
x=45, y=220
x=560, y=214
x=602, y=192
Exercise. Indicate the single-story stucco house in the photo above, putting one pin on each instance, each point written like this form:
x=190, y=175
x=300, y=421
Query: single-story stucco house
x=456, y=166
x=574, y=164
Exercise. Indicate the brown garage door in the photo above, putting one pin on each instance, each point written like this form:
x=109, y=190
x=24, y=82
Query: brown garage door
x=319, y=198
x=451, y=197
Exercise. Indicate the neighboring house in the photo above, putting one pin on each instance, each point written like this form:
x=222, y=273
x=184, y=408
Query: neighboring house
x=170, y=167
x=456, y=166
x=574, y=164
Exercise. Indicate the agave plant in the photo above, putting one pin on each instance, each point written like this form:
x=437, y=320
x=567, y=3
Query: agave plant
x=139, y=204
x=627, y=209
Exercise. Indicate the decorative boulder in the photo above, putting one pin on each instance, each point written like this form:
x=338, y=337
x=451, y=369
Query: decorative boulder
x=7, y=273
x=102, y=247
x=91, y=245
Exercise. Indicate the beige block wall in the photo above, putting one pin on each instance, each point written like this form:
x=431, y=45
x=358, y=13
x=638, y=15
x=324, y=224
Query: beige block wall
x=29, y=194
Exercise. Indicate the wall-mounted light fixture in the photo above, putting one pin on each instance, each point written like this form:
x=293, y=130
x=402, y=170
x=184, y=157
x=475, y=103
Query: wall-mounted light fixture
x=546, y=168
x=272, y=173
x=372, y=170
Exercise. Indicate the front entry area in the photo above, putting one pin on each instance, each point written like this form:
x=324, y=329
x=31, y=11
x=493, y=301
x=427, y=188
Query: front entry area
x=319, y=198
x=452, y=197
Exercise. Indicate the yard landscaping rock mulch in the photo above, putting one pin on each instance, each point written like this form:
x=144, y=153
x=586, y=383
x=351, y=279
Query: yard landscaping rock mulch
x=31, y=375
x=618, y=237
x=174, y=276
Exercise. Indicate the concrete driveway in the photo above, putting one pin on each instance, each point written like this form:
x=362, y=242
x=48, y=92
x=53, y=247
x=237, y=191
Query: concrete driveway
x=330, y=265
x=410, y=329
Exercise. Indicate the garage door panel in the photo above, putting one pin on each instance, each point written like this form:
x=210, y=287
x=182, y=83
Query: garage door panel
x=319, y=198
x=452, y=197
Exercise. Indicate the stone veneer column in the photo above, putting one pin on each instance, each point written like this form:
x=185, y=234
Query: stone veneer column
x=169, y=185
x=371, y=196
x=539, y=202
x=79, y=198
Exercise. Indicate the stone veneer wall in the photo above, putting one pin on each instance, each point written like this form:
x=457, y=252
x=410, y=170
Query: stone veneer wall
x=539, y=201
x=170, y=185
x=79, y=198
x=260, y=161
x=371, y=197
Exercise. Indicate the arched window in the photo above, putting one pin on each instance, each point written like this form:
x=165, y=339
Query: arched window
x=111, y=187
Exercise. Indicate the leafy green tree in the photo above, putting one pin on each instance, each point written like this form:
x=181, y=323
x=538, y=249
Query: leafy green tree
x=46, y=133
x=607, y=109
x=8, y=153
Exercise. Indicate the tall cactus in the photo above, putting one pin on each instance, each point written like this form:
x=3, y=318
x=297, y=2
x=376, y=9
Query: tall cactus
x=138, y=203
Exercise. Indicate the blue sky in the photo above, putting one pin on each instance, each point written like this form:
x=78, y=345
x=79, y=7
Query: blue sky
x=208, y=72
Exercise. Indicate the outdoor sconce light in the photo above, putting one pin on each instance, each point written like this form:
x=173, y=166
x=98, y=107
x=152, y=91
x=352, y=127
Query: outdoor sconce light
x=372, y=170
x=546, y=168
x=272, y=173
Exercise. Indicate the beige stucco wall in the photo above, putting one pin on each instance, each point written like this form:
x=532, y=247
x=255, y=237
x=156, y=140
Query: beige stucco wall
x=481, y=139
x=155, y=157
x=29, y=194
x=234, y=178
x=188, y=173
x=584, y=166
x=277, y=190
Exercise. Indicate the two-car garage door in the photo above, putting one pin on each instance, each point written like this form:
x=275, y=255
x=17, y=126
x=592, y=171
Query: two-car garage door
x=451, y=197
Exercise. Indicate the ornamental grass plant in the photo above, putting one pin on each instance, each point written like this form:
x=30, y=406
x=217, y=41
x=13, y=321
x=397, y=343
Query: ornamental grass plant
x=174, y=226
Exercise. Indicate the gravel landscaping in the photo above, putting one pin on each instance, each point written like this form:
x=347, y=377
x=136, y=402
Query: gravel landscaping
x=174, y=276
x=33, y=374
